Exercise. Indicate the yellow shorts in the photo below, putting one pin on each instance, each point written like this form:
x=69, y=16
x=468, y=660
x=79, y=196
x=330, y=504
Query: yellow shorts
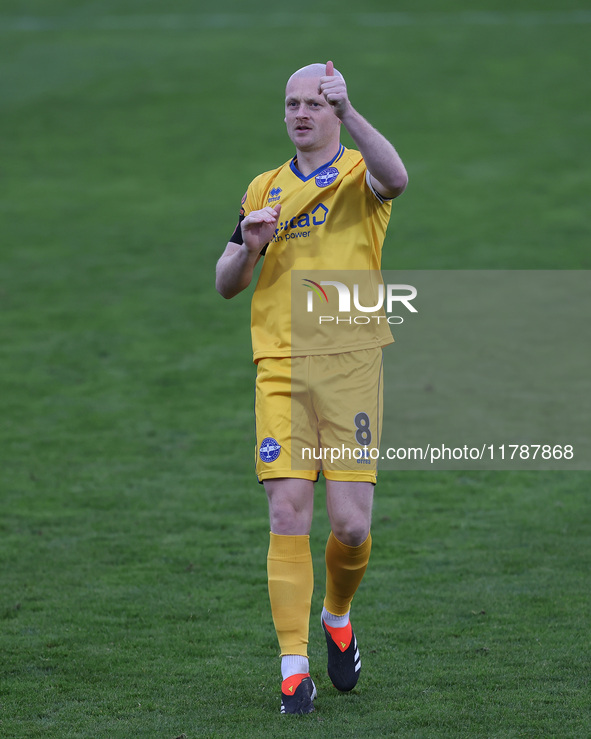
x=317, y=413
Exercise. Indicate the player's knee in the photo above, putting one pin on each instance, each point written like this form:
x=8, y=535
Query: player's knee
x=291, y=506
x=352, y=533
x=288, y=519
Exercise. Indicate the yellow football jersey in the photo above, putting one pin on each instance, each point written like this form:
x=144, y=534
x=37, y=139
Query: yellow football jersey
x=330, y=220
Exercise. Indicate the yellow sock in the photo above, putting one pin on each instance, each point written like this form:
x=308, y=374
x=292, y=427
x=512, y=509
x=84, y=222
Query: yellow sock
x=291, y=582
x=345, y=567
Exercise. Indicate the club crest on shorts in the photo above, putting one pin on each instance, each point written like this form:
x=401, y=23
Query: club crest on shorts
x=327, y=177
x=270, y=449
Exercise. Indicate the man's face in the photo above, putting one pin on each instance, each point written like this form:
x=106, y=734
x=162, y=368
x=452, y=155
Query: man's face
x=311, y=122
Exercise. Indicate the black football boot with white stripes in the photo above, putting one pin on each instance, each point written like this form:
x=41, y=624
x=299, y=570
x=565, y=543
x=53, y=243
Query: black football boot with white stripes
x=344, y=662
x=297, y=694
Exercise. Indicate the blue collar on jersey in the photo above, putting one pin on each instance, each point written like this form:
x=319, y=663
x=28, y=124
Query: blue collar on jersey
x=297, y=172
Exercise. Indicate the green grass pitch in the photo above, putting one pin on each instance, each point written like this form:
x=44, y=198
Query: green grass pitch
x=133, y=534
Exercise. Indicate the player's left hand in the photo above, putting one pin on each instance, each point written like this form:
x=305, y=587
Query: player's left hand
x=334, y=90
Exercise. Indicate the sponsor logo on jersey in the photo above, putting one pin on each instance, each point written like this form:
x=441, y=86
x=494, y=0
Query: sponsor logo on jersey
x=274, y=195
x=270, y=449
x=327, y=177
x=292, y=229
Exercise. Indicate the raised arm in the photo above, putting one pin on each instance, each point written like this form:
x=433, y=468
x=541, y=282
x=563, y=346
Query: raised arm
x=388, y=174
x=234, y=270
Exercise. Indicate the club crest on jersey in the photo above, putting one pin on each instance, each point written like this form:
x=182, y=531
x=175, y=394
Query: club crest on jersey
x=274, y=195
x=270, y=449
x=327, y=177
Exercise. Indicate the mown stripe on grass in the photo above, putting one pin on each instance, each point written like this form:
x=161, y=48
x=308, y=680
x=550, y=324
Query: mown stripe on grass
x=187, y=21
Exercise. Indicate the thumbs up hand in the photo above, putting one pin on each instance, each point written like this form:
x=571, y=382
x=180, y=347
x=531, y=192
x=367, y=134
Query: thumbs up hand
x=334, y=89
